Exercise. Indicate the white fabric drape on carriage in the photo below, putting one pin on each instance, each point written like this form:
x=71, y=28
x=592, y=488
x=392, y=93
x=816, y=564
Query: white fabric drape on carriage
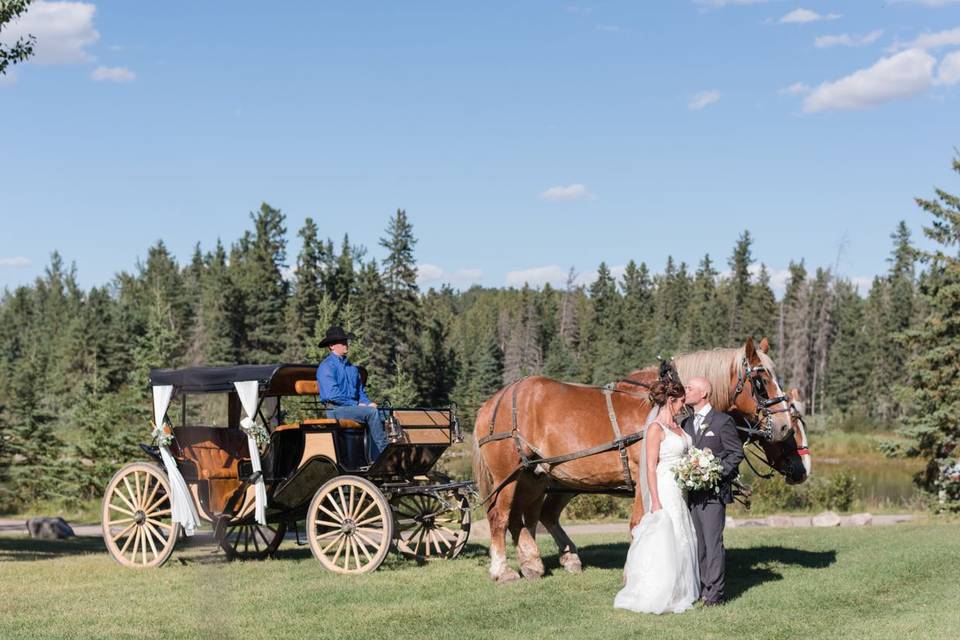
x=249, y=392
x=182, y=509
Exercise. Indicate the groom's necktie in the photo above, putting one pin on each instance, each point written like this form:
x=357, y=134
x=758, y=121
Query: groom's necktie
x=697, y=421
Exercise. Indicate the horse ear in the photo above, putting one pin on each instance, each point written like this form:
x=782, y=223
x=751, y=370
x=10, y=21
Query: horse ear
x=764, y=345
x=751, y=351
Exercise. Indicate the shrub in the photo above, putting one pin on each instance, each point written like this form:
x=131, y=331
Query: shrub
x=776, y=495
x=838, y=492
x=593, y=506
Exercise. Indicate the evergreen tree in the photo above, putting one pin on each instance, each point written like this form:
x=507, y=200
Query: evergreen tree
x=761, y=310
x=400, y=279
x=436, y=368
x=901, y=306
x=220, y=316
x=31, y=449
x=402, y=391
x=740, y=289
x=672, y=298
x=822, y=307
x=307, y=290
x=606, y=329
x=707, y=327
x=260, y=278
x=637, y=315
x=371, y=303
x=849, y=360
x=797, y=323
x=880, y=347
x=933, y=382
x=343, y=281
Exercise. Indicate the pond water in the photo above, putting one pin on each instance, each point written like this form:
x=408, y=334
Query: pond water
x=882, y=482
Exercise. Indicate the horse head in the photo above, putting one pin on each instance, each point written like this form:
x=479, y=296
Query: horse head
x=770, y=418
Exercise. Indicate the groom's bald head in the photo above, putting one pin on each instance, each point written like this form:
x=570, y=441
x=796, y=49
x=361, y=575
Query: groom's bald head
x=698, y=391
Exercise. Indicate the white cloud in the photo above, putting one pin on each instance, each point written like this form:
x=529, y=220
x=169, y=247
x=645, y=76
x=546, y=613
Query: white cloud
x=803, y=16
x=847, y=40
x=14, y=262
x=566, y=193
x=931, y=40
x=431, y=274
x=113, y=74
x=64, y=31
x=796, y=89
x=949, y=70
x=901, y=75
x=538, y=276
x=703, y=99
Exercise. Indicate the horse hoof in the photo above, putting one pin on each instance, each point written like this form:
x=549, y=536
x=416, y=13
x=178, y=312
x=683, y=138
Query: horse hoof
x=508, y=576
x=532, y=573
x=571, y=563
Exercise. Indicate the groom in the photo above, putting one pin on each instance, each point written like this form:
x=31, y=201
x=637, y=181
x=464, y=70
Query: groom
x=714, y=430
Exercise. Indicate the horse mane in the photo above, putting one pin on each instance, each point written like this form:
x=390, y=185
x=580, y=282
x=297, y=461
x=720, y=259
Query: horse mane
x=718, y=366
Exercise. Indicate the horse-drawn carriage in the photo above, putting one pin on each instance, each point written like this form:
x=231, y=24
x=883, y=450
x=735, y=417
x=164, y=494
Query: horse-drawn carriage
x=263, y=457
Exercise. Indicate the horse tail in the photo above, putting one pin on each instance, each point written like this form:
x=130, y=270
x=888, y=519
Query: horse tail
x=484, y=423
x=481, y=473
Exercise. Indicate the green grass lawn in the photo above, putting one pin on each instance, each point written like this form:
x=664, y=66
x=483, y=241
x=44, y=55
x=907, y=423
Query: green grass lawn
x=883, y=582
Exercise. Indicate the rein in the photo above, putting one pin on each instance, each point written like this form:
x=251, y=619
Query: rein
x=620, y=441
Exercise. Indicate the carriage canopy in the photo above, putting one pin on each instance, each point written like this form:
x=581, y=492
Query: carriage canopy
x=274, y=379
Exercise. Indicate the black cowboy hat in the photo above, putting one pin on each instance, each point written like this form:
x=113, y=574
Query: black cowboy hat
x=334, y=335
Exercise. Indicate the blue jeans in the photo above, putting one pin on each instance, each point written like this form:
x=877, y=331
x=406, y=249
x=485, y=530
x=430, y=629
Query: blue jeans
x=369, y=416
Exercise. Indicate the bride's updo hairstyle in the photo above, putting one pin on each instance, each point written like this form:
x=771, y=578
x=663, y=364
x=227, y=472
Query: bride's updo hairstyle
x=663, y=390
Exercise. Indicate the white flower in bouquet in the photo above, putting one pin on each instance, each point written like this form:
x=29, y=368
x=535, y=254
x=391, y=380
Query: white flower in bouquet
x=698, y=470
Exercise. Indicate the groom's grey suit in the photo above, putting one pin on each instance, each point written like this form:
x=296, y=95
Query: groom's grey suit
x=718, y=433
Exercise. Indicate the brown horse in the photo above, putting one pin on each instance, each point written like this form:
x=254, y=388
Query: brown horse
x=538, y=418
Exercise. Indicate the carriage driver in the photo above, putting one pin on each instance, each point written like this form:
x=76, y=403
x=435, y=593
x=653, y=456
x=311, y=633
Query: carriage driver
x=342, y=390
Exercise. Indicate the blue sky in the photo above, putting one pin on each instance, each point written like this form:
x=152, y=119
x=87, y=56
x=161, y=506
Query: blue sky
x=521, y=138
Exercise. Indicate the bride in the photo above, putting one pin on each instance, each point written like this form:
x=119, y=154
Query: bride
x=661, y=573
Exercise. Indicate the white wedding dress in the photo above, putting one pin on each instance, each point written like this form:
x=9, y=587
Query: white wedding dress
x=662, y=572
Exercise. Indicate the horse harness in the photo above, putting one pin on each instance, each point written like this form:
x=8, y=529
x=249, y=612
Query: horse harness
x=764, y=414
x=620, y=441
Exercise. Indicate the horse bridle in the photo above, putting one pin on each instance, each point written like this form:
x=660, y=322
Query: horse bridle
x=763, y=427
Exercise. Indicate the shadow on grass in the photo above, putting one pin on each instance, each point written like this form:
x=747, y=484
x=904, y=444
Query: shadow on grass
x=16, y=549
x=746, y=567
x=752, y=566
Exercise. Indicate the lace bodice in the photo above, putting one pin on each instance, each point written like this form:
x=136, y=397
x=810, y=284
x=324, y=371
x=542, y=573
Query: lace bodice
x=672, y=448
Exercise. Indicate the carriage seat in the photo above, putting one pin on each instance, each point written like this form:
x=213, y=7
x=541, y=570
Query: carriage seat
x=216, y=451
x=320, y=422
x=306, y=387
x=309, y=388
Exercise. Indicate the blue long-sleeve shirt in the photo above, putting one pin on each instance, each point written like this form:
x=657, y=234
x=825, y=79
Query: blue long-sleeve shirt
x=339, y=382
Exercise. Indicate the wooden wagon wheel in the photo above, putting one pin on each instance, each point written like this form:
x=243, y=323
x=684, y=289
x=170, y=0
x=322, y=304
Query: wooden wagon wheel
x=249, y=541
x=349, y=525
x=430, y=526
x=135, y=517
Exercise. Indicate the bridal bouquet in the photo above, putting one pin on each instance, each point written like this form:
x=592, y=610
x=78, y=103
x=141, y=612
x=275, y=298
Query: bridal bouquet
x=698, y=470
